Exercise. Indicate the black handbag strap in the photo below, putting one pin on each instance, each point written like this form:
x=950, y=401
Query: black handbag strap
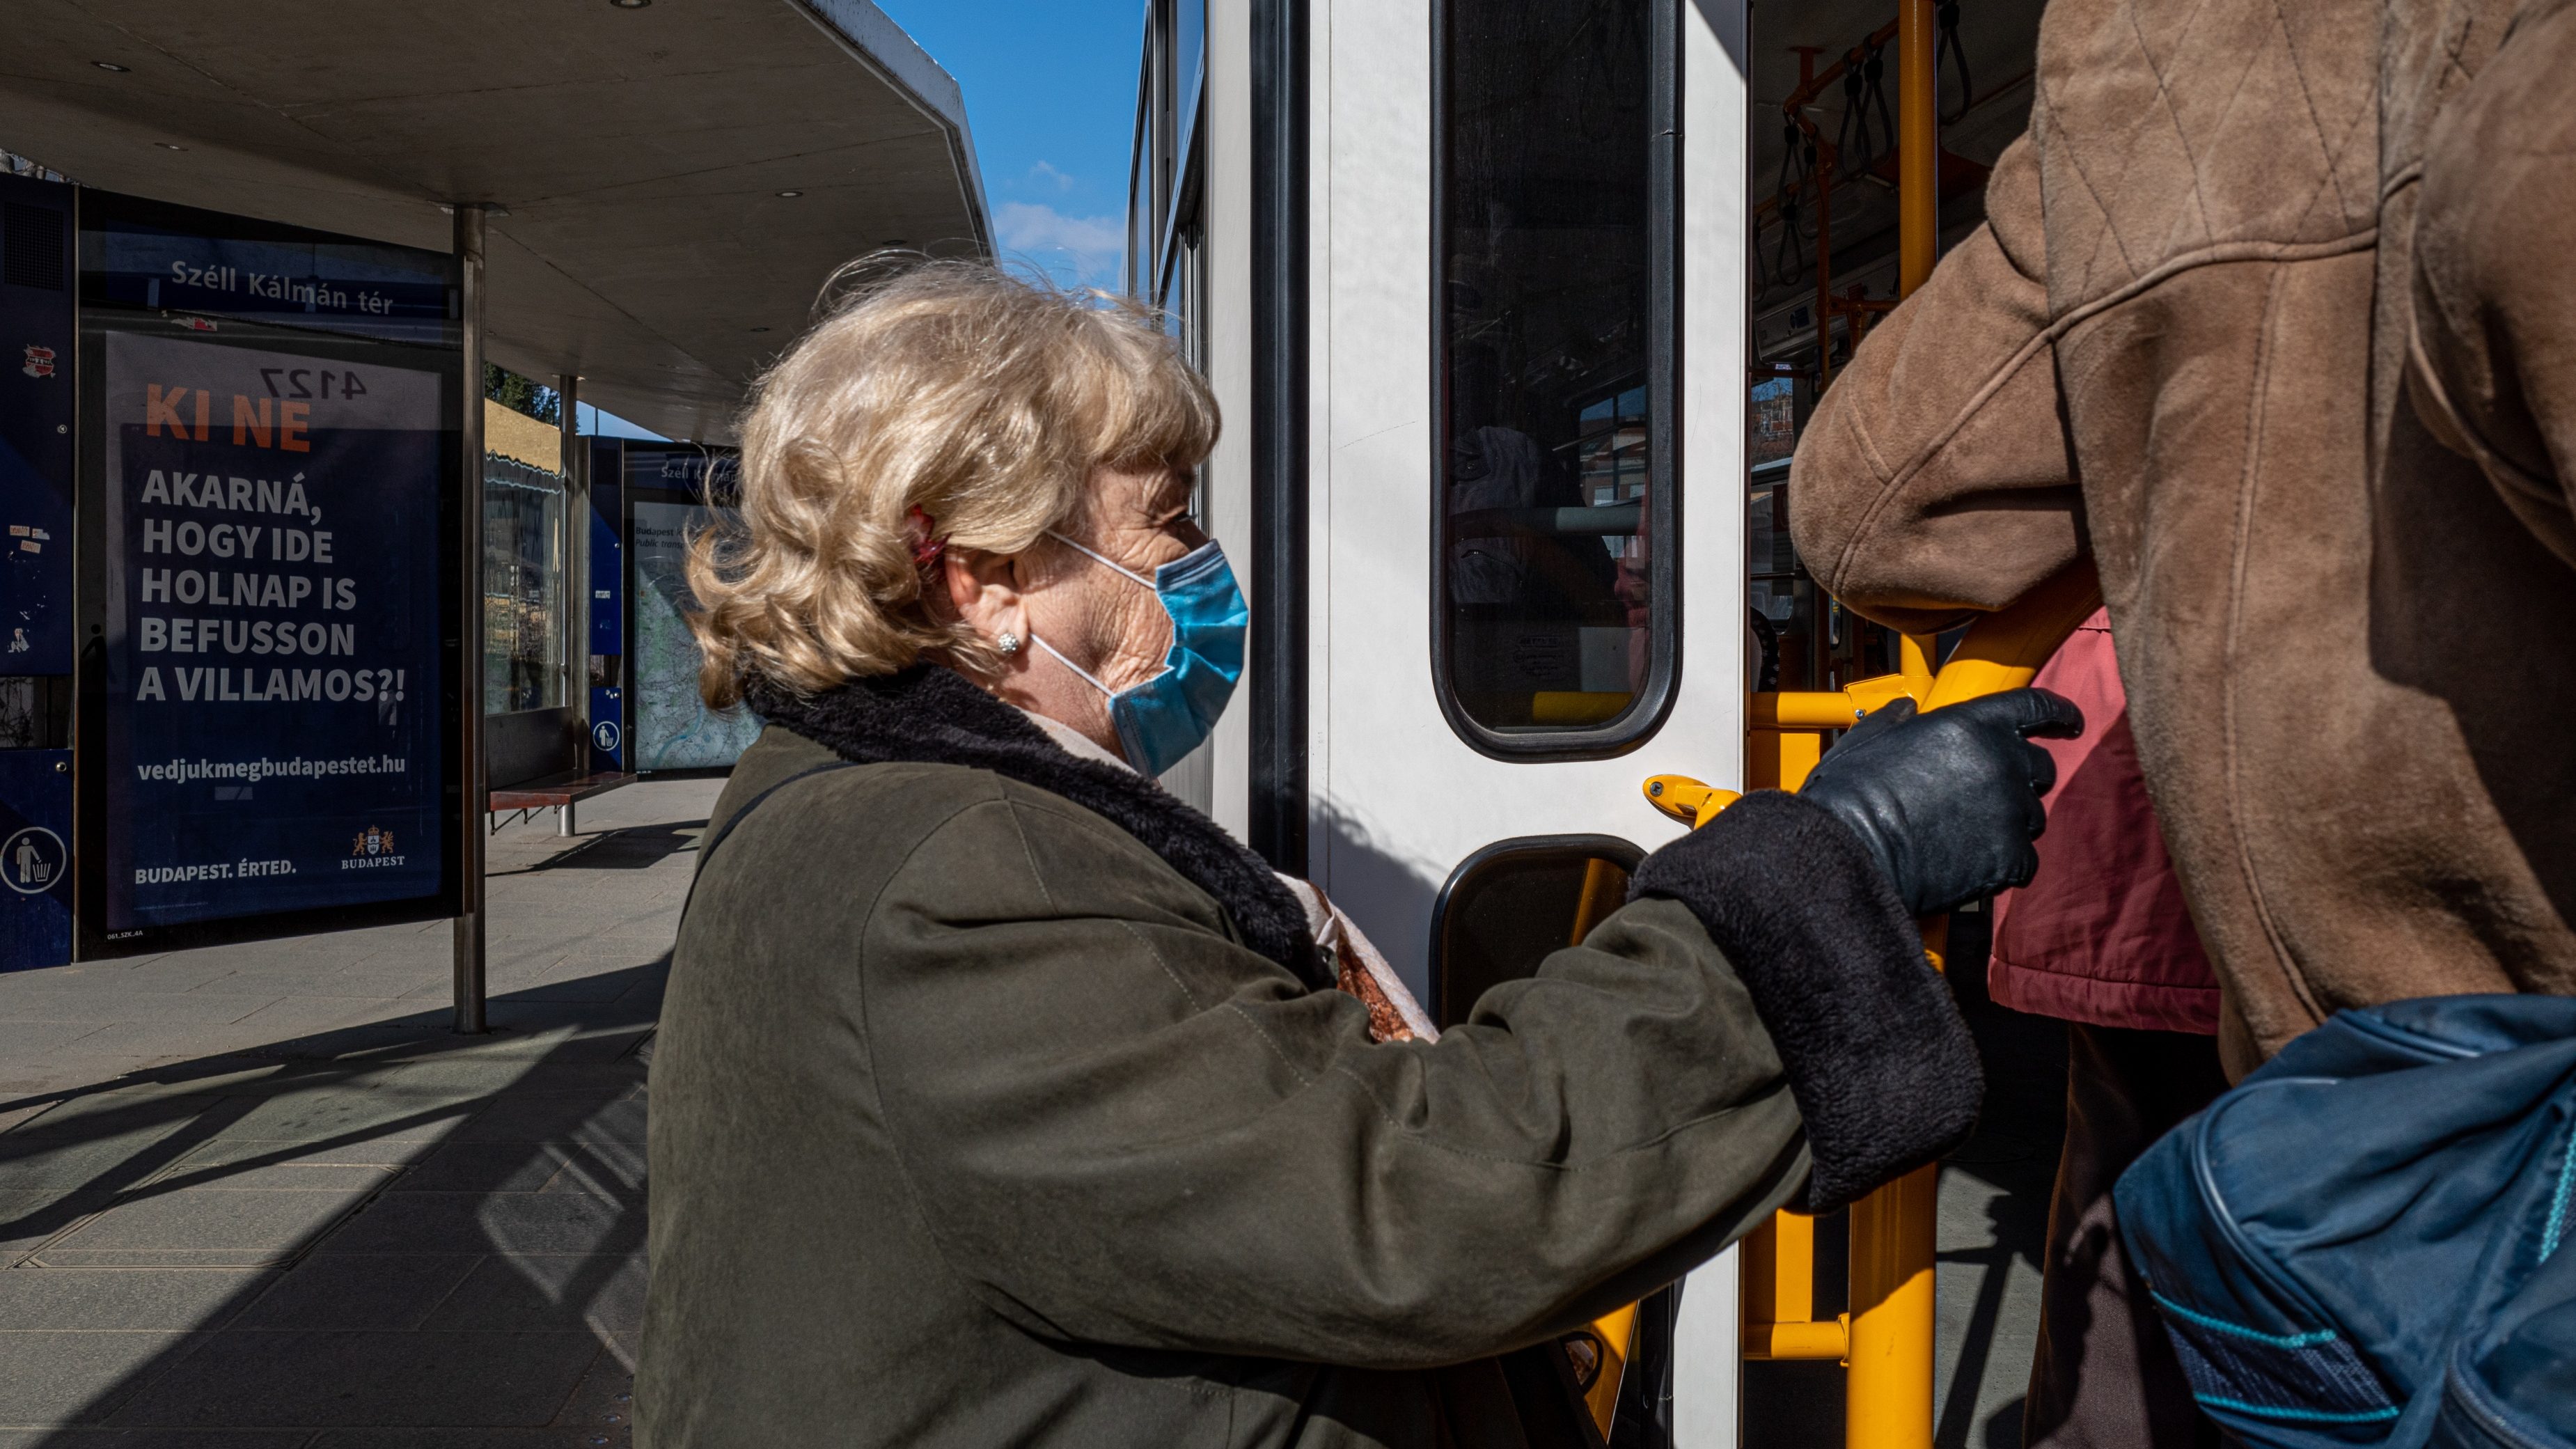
x=716, y=837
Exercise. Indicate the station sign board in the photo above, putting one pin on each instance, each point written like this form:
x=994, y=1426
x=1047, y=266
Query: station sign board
x=272, y=452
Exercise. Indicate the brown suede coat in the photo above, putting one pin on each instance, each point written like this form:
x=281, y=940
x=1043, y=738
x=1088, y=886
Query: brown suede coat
x=2180, y=344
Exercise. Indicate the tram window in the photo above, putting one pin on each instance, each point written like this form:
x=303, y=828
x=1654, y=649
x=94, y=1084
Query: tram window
x=1512, y=903
x=1189, y=50
x=1553, y=509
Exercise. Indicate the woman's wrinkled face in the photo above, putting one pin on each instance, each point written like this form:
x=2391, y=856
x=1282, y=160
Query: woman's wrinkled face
x=1105, y=622
x=1101, y=619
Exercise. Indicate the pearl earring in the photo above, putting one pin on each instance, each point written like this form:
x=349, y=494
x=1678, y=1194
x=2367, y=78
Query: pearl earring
x=1009, y=643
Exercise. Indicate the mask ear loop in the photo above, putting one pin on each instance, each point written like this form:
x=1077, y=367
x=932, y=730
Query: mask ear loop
x=1108, y=563
x=1087, y=676
x=1105, y=562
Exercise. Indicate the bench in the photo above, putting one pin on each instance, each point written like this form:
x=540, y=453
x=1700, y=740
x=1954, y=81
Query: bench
x=560, y=792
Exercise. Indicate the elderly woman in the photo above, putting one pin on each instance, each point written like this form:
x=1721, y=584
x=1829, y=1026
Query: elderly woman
x=1001, y=1099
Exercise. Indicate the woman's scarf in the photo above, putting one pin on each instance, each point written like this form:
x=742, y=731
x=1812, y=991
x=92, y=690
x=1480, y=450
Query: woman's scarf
x=929, y=714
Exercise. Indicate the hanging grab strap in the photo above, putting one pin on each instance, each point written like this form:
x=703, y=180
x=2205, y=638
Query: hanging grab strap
x=1948, y=18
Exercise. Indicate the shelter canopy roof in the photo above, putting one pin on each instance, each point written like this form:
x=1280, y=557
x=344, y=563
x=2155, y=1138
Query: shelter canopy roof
x=639, y=154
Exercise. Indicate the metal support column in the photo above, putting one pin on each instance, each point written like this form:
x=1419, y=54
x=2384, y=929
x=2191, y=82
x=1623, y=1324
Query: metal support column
x=1279, y=804
x=1918, y=148
x=469, y=743
x=576, y=581
x=1887, y=1395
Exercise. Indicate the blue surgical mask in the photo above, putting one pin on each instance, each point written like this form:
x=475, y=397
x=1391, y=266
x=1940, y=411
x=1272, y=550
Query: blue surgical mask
x=1171, y=714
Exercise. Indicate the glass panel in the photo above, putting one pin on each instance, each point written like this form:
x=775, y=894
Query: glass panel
x=523, y=651
x=1140, y=226
x=1773, y=435
x=1189, y=44
x=1549, y=615
x=675, y=494
x=1511, y=905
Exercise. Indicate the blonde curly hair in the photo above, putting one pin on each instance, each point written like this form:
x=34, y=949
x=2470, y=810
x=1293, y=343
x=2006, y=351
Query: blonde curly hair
x=982, y=399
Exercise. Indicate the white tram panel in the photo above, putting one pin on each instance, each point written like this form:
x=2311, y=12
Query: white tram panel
x=1399, y=799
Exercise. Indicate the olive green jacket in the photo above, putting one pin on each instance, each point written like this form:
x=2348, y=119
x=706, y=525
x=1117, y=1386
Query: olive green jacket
x=975, y=1124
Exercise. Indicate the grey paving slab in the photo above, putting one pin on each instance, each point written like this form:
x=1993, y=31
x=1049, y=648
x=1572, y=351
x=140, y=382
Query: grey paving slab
x=107, y=1162
x=29, y=1038
x=351, y=979
x=17, y=1110
x=485, y=1167
x=210, y=1225
x=557, y=1117
x=587, y=986
x=354, y=1292
x=403, y=1380
x=297, y=1015
x=470, y=1440
x=113, y=1111
x=174, y=1299
x=155, y=1437
x=187, y=1440
x=71, y=1378
x=560, y=1042
x=135, y=1039
x=510, y=1291
x=213, y=1161
x=604, y=1402
x=602, y=1169
x=120, y=1003
x=487, y=1294
x=371, y=1114
x=1987, y=1306
x=470, y=1222
x=498, y=1076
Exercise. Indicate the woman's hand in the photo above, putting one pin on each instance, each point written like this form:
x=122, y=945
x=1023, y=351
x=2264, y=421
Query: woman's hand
x=1948, y=802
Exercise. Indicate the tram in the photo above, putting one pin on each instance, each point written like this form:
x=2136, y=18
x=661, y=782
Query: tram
x=1515, y=312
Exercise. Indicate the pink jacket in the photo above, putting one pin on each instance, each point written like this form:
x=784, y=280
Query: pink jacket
x=2101, y=934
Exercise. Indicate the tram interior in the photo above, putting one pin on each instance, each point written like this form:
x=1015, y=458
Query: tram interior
x=1822, y=270
x=1824, y=92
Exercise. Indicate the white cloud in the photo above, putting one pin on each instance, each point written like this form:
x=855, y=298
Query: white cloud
x=1078, y=250
x=1043, y=174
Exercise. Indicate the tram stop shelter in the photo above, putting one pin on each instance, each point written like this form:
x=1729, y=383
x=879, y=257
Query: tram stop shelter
x=642, y=202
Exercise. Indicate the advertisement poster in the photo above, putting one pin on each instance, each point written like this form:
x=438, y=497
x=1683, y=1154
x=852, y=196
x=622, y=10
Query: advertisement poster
x=272, y=720
x=670, y=726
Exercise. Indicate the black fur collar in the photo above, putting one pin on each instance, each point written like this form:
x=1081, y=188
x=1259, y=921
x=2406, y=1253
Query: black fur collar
x=932, y=715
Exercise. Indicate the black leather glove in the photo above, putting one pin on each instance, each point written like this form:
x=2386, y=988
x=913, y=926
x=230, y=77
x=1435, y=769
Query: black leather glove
x=1948, y=802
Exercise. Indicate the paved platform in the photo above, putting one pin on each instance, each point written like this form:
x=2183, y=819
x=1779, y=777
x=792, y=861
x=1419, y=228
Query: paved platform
x=261, y=1197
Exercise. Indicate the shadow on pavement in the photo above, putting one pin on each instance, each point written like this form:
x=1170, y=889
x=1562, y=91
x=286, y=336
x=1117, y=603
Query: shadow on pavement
x=381, y=1236
x=634, y=848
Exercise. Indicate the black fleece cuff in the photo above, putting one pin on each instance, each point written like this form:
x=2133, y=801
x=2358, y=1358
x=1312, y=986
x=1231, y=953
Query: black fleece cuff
x=1879, y=1061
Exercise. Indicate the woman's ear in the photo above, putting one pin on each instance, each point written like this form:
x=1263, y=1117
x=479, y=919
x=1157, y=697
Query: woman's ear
x=984, y=589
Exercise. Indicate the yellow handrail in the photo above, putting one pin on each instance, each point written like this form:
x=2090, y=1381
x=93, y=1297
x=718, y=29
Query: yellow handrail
x=1886, y=1339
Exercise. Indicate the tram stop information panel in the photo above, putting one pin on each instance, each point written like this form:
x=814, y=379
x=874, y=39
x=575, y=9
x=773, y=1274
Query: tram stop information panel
x=276, y=463
x=674, y=493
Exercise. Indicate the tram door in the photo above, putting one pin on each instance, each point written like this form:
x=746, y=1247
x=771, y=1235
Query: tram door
x=1456, y=364
x=1528, y=392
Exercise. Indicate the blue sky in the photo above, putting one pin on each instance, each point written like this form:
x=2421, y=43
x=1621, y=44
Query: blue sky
x=1051, y=94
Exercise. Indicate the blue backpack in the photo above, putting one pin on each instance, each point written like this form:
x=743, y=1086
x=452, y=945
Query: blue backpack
x=2366, y=1242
